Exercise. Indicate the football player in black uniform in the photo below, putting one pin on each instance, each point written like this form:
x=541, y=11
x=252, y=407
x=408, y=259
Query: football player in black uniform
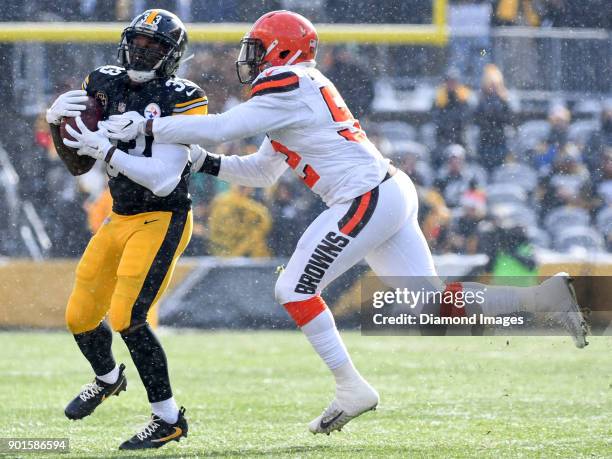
x=129, y=262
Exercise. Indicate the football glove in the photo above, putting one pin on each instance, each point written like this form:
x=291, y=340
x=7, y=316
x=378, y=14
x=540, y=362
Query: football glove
x=68, y=104
x=88, y=143
x=123, y=127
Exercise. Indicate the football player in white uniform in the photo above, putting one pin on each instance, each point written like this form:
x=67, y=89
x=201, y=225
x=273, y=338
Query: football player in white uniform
x=373, y=206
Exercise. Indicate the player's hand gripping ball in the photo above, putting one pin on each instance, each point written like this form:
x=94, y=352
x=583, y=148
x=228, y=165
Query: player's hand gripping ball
x=124, y=127
x=87, y=142
x=69, y=104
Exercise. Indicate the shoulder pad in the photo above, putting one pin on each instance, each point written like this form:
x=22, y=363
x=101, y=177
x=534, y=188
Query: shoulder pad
x=273, y=80
x=188, y=98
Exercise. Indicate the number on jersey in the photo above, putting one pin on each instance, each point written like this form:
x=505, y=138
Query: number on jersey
x=340, y=113
x=111, y=70
x=308, y=175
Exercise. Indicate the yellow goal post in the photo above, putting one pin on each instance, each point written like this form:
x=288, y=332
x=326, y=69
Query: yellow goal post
x=434, y=34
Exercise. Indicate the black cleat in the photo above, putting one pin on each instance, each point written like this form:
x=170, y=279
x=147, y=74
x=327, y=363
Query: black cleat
x=157, y=433
x=93, y=394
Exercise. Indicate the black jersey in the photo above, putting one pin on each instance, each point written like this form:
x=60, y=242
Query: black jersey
x=111, y=86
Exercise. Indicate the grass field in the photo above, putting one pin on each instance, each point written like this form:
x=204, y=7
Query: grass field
x=252, y=394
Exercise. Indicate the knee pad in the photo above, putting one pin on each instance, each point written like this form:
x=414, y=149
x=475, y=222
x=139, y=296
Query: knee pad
x=289, y=287
x=81, y=313
x=283, y=290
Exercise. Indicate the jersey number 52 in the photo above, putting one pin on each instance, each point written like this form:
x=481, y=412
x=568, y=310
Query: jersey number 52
x=340, y=113
x=308, y=175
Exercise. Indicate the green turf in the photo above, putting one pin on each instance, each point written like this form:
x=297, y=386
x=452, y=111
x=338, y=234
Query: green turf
x=252, y=394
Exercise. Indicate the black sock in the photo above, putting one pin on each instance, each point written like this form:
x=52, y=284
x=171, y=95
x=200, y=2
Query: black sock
x=150, y=360
x=96, y=347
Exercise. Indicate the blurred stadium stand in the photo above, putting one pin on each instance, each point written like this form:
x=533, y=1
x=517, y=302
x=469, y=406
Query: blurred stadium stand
x=537, y=142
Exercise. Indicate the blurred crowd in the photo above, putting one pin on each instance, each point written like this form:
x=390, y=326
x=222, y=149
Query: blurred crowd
x=486, y=183
x=479, y=171
x=491, y=178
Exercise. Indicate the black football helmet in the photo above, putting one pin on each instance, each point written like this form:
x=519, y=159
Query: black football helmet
x=145, y=63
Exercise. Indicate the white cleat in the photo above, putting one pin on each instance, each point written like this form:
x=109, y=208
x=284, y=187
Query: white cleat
x=557, y=297
x=347, y=405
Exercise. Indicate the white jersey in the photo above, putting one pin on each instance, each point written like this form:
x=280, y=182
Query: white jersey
x=308, y=128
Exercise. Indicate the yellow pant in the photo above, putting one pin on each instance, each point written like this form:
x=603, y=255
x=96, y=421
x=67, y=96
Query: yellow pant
x=126, y=268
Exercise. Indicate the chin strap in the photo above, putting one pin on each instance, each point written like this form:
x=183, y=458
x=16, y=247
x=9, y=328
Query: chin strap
x=141, y=76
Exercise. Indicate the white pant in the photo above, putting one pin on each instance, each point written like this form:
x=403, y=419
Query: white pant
x=381, y=227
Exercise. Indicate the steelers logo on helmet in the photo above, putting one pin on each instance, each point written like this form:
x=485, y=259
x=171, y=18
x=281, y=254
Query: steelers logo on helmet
x=152, y=111
x=144, y=22
x=152, y=45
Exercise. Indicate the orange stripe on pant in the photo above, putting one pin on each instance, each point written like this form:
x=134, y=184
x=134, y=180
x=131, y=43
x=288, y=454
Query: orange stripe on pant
x=354, y=221
x=304, y=311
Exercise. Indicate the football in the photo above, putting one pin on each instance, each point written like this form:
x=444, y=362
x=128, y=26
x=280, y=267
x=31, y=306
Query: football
x=90, y=116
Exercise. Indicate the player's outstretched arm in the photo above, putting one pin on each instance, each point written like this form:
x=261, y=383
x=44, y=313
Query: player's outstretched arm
x=258, y=170
x=256, y=116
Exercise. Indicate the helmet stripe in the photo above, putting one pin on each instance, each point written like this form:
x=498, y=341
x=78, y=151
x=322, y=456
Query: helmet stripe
x=271, y=47
x=151, y=17
x=294, y=57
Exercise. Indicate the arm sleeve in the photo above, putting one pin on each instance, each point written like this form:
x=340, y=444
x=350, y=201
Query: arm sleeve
x=160, y=173
x=259, y=170
x=258, y=115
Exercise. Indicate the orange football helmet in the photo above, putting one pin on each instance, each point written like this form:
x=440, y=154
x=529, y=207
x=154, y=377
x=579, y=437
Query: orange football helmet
x=277, y=38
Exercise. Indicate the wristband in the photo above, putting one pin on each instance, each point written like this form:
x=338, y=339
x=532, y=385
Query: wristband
x=212, y=164
x=149, y=128
x=109, y=154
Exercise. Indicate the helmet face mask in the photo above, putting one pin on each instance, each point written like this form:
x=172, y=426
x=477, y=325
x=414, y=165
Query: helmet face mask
x=145, y=53
x=250, y=58
x=152, y=48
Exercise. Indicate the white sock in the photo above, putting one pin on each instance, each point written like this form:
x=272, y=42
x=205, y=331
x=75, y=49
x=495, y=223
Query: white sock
x=110, y=377
x=347, y=375
x=167, y=410
x=326, y=341
x=500, y=299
